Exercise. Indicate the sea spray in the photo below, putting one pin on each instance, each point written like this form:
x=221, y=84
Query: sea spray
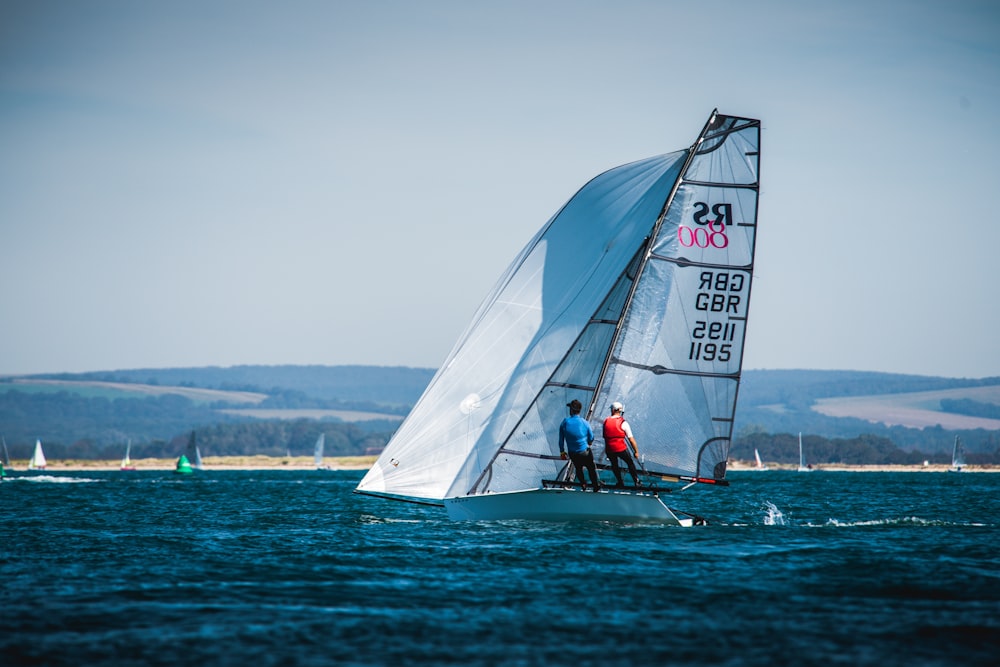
x=772, y=515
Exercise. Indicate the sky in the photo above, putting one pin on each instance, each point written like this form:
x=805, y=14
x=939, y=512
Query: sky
x=207, y=183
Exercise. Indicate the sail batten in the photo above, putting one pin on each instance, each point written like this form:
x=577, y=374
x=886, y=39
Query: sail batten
x=636, y=290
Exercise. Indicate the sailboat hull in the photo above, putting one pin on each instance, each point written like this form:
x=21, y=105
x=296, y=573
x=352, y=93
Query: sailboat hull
x=563, y=505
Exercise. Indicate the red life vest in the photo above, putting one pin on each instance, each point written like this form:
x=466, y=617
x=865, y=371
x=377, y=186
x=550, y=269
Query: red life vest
x=614, y=434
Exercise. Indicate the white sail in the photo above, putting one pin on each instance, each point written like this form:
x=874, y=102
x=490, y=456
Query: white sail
x=194, y=452
x=802, y=458
x=37, y=461
x=318, y=452
x=760, y=464
x=6, y=454
x=637, y=289
x=957, y=456
x=127, y=459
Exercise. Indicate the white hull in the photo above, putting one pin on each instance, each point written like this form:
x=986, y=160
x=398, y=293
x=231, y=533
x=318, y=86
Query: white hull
x=563, y=505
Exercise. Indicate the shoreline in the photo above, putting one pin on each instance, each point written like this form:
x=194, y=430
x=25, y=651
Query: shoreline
x=209, y=463
x=743, y=466
x=301, y=463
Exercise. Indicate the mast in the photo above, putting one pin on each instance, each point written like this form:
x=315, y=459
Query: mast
x=692, y=151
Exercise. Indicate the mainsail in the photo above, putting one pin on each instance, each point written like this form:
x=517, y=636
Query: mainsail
x=193, y=452
x=37, y=461
x=636, y=290
x=318, y=452
x=957, y=456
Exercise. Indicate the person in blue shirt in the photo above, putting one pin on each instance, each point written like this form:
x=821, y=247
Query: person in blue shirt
x=575, y=436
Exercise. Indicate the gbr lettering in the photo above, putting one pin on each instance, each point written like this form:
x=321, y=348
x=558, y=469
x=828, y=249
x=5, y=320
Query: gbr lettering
x=720, y=298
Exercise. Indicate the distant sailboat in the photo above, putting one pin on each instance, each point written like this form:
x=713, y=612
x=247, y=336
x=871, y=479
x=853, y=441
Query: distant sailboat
x=194, y=452
x=5, y=463
x=37, y=461
x=802, y=458
x=127, y=461
x=957, y=456
x=760, y=464
x=318, y=452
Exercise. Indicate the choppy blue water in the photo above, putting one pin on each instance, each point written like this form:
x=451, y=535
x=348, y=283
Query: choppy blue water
x=292, y=568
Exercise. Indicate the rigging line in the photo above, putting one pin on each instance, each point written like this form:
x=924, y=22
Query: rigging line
x=663, y=370
x=530, y=455
x=390, y=496
x=685, y=263
x=569, y=385
x=671, y=477
x=733, y=186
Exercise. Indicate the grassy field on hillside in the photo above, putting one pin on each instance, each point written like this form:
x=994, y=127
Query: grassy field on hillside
x=915, y=409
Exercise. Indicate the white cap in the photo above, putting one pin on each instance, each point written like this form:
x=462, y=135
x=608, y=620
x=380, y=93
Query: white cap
x=616, y=406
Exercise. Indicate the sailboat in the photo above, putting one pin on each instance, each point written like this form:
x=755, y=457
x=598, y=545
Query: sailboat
x=802, y=458
x=127, y=460
x=6, y=454
x=636, y=290
x=37, y=461
x=194, y=452
x=957, y=456
x=760, y=464
x=318, y=452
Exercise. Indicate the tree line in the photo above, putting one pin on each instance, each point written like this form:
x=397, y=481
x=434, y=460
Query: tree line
x=862, y=450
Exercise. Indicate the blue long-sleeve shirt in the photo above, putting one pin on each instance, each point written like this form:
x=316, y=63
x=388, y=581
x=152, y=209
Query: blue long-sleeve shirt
x=575, y=434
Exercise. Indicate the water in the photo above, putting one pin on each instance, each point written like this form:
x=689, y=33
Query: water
x=292, y=568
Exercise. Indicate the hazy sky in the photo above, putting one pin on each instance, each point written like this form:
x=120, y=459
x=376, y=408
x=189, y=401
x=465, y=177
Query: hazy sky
x=219, y=183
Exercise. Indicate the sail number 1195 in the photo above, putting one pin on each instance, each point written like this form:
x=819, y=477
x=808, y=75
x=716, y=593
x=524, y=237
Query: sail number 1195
x=703, y=347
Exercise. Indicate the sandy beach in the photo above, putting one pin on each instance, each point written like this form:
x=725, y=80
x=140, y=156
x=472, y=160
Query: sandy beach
x=213, y=463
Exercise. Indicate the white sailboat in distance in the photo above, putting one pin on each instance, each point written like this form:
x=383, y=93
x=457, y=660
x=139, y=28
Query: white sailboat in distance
x=760, y=464
x=957, y=456
x=318, y=452
x=37, y=461
x=637, y=290
x=127, y=459
x=802, y=457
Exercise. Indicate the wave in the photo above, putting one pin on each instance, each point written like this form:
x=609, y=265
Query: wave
x=896, y=521
x=52, y=479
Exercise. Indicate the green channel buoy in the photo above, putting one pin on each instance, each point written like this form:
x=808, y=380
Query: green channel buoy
x=183, y=466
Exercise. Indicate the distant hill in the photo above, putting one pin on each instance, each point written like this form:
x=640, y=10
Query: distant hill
x=914, y=413
x=383, y=385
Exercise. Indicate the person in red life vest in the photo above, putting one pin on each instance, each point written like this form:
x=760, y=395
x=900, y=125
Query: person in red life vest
x=617, y=433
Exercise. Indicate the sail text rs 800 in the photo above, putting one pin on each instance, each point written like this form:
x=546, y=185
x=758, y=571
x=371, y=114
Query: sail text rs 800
x=636, y=290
